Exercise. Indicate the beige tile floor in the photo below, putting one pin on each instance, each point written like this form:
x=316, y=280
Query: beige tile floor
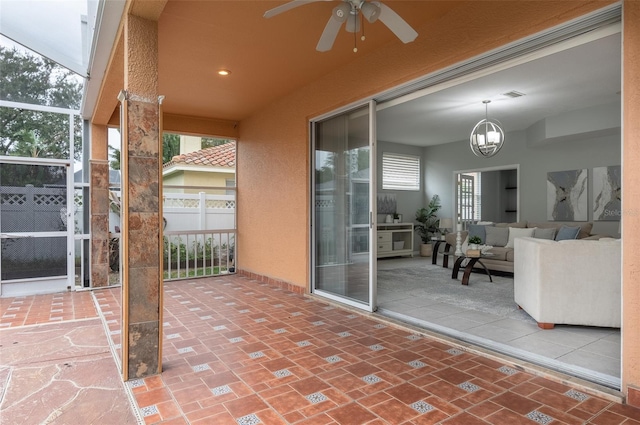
x=237, y=351
x=589, y=352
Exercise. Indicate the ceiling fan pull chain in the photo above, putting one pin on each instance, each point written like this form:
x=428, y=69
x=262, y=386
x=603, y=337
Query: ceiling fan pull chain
x=355, y=36
x=362, y=37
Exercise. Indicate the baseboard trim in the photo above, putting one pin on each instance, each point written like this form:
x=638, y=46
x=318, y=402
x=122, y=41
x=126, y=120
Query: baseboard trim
x=273, y=281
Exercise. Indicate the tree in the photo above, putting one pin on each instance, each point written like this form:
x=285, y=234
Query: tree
x=209, y=142
x=114, y=164
x=170, y=146
x=32, y=79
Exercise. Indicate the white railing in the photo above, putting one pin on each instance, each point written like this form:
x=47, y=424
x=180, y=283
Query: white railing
x=199, y=233
x=199, y=253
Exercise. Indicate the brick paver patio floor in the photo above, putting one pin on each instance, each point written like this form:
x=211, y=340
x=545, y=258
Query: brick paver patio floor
x=238, y=351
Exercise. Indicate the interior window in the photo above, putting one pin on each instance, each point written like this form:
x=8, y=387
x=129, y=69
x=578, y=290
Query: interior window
x=400, y=172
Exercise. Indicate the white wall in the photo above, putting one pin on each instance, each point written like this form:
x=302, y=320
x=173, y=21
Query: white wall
x=408, y=202
x=535, y=162
x=585, y=138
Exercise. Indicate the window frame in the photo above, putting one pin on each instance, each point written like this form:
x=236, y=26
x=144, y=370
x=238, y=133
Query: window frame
x=411, y=164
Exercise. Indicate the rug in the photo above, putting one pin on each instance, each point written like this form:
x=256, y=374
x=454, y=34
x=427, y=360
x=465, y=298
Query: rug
x=435, y=283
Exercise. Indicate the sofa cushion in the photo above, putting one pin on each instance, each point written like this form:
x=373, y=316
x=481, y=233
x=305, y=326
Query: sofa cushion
x=511, y=255
x=540, y=233
x=478, y=230
x=515, y=232
x=500, y=253
x=450, y=238
x=567, y=233
x=497, y=236
x=585, y=228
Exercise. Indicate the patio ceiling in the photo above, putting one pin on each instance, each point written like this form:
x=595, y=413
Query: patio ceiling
x=269, y=58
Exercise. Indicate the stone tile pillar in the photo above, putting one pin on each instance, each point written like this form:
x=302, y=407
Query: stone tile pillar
x=99, y=195
x=141, y=186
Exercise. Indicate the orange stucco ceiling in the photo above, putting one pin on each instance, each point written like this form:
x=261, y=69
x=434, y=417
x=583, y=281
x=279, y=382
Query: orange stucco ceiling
x=268, y=58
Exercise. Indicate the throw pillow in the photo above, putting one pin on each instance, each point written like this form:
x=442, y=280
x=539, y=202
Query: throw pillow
x=567, y=232
x=497, y=236
x=549, y=233
x=515, y=232
x=478, y=230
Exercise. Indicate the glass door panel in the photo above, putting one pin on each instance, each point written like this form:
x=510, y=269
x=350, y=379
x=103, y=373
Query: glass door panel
x=342, y=262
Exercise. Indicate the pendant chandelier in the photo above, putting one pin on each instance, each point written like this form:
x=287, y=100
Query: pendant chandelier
x=487, y=137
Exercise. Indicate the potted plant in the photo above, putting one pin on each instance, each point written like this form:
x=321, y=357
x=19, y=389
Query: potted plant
x=474, y=242
x=396, y=218
x=427, y=224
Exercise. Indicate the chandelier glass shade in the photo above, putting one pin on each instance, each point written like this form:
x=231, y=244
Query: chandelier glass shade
x=487, y=137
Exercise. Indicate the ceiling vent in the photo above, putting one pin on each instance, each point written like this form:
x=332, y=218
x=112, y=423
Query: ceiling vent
x=513, y=93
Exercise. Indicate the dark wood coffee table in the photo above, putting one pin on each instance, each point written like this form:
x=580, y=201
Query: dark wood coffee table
x=469, y=267
x=436, y=247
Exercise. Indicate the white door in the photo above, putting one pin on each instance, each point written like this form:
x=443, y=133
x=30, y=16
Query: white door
x=37, y=243
x=465, y=199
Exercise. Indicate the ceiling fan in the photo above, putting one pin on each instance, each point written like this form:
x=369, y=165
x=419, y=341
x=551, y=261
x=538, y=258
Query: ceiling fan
x=349, y=11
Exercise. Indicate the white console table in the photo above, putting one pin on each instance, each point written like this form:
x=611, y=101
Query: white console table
x=395, y=239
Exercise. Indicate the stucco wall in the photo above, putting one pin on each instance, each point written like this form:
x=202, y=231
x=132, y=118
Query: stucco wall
x=194, y=178
x=273, y=148
x=631, y=202
x=175, y=179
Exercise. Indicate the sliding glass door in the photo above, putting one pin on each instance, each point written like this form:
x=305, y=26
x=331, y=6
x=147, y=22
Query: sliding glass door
x=343, y=260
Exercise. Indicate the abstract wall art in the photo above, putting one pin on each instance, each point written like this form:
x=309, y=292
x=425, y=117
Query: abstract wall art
x=387, y=203
x=567, y=195
x=607, y=193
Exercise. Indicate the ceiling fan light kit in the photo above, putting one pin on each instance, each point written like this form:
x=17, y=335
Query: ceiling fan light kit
x=487, y=137
x=372, y=11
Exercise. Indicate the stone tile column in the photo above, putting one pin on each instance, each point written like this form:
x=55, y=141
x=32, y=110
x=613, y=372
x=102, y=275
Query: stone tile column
x=141, y=186
x=99, y=195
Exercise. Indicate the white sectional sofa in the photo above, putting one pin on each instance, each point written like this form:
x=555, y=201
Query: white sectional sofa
x=574, y=282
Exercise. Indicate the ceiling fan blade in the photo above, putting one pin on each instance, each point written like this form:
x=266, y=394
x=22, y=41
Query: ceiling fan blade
x=288, y=6
x=329, y=35
x=338, y=16
x=396, y=24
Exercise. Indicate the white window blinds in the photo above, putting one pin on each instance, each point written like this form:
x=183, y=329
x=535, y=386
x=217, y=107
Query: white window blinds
x=400, y=172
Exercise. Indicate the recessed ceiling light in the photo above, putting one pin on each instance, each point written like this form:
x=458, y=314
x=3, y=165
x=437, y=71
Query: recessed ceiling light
x=224, y=72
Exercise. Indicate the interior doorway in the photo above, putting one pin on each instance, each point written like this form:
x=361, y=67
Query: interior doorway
x=487, y=194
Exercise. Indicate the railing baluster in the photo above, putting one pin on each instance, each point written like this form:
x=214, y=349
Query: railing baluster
x=216, y=255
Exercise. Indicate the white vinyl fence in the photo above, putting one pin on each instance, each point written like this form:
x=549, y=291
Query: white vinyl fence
x=199, y=234
x=28, y=211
